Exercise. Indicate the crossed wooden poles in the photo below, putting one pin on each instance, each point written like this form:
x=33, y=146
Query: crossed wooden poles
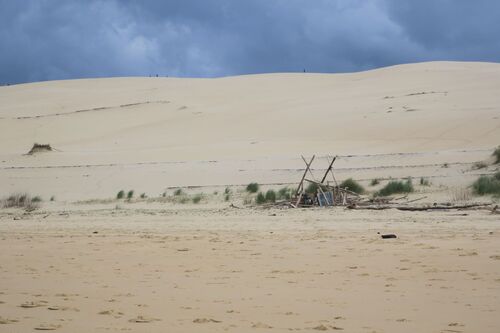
x=341, y=193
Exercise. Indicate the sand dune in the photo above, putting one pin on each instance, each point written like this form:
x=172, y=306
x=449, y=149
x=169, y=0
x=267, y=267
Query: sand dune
x=117, y=130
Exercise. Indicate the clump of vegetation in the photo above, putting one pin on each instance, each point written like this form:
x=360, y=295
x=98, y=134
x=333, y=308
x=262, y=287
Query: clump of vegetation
x=352, y=185
x=375, y=182
x=120, y=195
x=396, y=186
x=312, y=188
x=52, y=198
x=270, y=196
x=253, y=188
x=21, y=200
x=227, y=190
x=178, y=192
x=446, y=165
x=197, y=198
x=227, y=197
x=424, y=181
x=480, y=165
x=496, y=154
x=130, y=194
x=260, y=198
x=143, y=196
x=183, y=200
x=487, y=185
x=460, y=194
x=284, y=193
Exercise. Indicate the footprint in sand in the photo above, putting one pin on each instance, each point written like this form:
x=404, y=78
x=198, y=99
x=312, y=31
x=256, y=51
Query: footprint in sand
x=205, y=321
x=4, y=321
x=143, y=319
x=29, y=305
x=47, y=327
x=261, y=325
x=326, y=328
x=116, y=314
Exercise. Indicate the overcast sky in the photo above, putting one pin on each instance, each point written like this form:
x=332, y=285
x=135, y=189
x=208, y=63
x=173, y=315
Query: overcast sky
x=62, y=39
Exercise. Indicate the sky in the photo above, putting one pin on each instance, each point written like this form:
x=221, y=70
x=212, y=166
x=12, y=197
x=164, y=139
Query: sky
x=68, y=39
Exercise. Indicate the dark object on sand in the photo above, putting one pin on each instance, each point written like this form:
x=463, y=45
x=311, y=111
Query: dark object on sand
x=387, y=236
x=39, y=148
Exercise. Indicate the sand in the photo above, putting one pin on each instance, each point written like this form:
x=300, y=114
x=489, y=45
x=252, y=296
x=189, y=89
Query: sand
x=213, y=270
x=88, y=262
x=151, y=133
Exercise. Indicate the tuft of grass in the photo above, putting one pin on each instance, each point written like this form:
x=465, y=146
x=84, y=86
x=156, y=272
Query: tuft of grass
x=487, y=185
x=20, y=200
x=352, y=185
x=446, y=165
x=396, y=186
x=424, y=181
x=130, y=194
x=312, y=188
x=36, y=199
x=120, y=195
x=270, y=196
x=460, y=195
x=143, y=196
x=496, y=154
x=375, y=182
x=52, y=198
x=227, y=197
x=284, y=193
x=227, y=190
x=197, y=198
x=252, y=188
x=260, y=198
x=183, y=200
x=164, y=194
x=178, y=192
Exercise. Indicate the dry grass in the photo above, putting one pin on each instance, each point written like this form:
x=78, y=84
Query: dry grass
x=21, y=200
x=460, y=194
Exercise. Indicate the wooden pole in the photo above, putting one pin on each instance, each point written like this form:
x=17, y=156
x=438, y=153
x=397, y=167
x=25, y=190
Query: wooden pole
x=308, y=165
x=328, y=170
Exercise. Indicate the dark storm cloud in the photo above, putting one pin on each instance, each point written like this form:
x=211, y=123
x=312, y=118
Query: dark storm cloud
x=59, y=39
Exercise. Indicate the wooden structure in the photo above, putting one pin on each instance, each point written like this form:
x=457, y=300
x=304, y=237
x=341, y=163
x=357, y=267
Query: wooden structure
x=321, y=192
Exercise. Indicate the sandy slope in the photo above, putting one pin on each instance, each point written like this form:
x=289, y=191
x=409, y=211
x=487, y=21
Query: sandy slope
x=151, y=133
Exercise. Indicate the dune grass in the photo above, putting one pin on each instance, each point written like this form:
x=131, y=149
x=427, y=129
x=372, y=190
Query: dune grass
x=270, y=196
x=253, y=188
x=487, y=185
x=496, y=154
x=21, y=200
x=260, y=198
x=197, y=198
x=396, y=186
x=352, y=185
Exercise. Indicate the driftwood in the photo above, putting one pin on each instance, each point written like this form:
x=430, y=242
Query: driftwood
x=417, y=208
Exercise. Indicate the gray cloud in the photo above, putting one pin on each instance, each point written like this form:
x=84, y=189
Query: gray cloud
x=60, y=39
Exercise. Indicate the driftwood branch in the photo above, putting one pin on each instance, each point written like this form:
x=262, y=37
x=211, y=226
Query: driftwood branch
x=418, y=208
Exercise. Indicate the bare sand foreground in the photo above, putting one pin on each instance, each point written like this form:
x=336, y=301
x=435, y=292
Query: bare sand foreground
x=87, y=262
x=213, y=270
